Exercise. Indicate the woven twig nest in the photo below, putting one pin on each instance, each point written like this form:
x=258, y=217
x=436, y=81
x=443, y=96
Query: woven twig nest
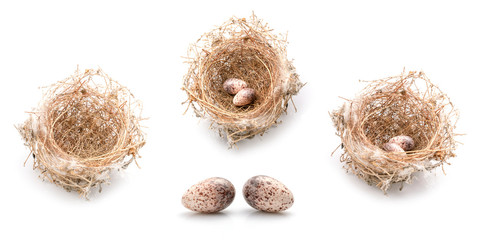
x=247, y=50
x=84, y=127
x=408, y=104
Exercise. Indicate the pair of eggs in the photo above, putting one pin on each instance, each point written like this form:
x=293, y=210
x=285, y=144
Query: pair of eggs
x=399, y=144
x=239, y=88
x=260, y=192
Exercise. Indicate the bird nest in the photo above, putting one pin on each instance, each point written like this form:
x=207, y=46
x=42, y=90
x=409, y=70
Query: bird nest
x=409, y=105
x=84, y=127
x=245, y=49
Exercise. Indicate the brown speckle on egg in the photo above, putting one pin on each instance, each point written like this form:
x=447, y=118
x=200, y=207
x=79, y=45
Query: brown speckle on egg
x=267, y=194
x=209, y=196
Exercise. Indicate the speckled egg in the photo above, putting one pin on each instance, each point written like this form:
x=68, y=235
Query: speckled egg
x=209, y=196
x=393, y=147
x=405, y=142
x=267, y=194
x=234, y=85
x=244, y=97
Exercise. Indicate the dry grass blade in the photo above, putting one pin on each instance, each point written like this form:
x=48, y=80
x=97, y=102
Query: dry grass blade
x=244, y=49
x=84, y=127
x=408, y=104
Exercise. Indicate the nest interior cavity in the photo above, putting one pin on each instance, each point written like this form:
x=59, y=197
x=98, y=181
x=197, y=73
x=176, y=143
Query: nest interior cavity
x=408, y=104
x=244, y=49
x=84, y=127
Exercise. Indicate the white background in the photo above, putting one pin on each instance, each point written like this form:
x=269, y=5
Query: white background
x=334, y=44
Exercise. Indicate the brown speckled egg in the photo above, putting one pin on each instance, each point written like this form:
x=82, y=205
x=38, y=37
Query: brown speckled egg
x=244, y=97
x=405, y=142
x=393, y=147
x=234, y=85
x=267, y=194
x=209, y=196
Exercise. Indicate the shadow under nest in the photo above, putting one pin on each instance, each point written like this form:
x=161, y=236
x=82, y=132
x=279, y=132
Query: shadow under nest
x=409, y=105
x=84, y=127
x=247, y=50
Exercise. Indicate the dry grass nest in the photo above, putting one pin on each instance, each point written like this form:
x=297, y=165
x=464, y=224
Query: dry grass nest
x=84, y=127
x=408, y=104
x=245, y=49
